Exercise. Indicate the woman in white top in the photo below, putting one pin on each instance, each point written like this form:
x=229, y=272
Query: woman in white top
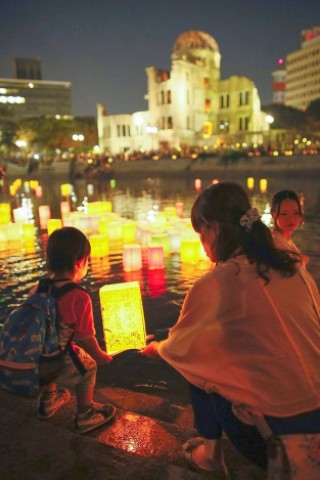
x=248, y=342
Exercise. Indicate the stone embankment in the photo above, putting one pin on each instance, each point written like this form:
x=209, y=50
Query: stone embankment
x=143, y=442
x=302, y=165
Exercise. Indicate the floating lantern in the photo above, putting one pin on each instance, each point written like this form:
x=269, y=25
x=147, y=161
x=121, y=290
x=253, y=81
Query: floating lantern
x=90, y=189
x=28, y=232
x=39, y=191
x=14, y=232
x=53, y=224
x=66, y=189
x=115, y=231
x=197, y=184
x=99, y=208
x=145, y=236
x=129, y=232
x=64, y=209
x=161, y=239
x=26, y=186
x=155, y=257
x=99, y=245
x=190, y=250
x=122, y=317
x=113, y=183
x=132, y=258
x=5, y=213
x=156, y=282
x=250, y=183
x=44, y=215
x=263, y=185
x=175, y=240
x=170, y=212
x=179, y=209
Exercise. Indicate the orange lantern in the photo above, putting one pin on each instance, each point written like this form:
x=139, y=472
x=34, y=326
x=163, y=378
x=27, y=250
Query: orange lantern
x=250, y=183
x=122, y=317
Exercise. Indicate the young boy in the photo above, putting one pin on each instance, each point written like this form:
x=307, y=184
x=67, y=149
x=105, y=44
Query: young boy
x=67, y=255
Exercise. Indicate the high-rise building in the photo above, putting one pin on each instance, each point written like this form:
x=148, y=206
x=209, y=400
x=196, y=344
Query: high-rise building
x=27, y=95
x=303, y=71
x=279, y=83
x=189, y=105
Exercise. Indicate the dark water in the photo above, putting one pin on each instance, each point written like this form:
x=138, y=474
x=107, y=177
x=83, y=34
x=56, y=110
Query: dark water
x=162, y=290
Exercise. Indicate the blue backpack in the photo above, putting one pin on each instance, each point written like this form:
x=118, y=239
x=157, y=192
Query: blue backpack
x=30, y=351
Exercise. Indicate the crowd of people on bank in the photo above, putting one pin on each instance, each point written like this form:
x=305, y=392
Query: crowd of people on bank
x=247, y=340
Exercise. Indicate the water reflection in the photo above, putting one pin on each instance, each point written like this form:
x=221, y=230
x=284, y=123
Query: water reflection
x=163, y=289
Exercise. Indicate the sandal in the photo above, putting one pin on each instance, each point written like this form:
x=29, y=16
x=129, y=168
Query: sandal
x=188, y=448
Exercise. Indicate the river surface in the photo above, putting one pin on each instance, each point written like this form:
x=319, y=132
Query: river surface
x=162, y=290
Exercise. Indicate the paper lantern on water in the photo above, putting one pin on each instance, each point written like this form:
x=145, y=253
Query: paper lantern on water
x=66, y=189
x=197, y=184
x=190, y=250
x=175, y=240
x=5, y=213
x=122, y=317
x=129, y=232
x=132, y=258
x=263, y=185
x=28, y=232
x=14, y=231
x=44, y=215
x=250, y=183
x=39, y=191
x=64, y=209
x=156, y=282
x=180, y=209
x=115, y=231
x=53, y=224
x=99, y=245
x=161, y=239
x=155, y=257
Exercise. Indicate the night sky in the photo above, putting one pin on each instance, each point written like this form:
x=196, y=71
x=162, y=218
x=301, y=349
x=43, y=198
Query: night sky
x=103, y=46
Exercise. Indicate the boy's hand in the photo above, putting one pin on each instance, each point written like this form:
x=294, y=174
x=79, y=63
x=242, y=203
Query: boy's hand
x=151, y=350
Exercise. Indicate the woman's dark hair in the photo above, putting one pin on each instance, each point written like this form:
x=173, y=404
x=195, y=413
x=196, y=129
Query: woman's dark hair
x=225, y=203
x=64, y=248
x=278, y=198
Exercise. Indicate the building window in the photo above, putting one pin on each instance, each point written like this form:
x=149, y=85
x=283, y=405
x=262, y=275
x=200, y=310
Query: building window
x=163, y=123
x=206, y=82
x=225, y=101
x=207, y=105
x=188, y=122
x=188, y=97
x=170, y=123
x=169, y=96
x=244, y=98
x=118, y=130
x=123, y=130
x=162, y=97
x=243, y=123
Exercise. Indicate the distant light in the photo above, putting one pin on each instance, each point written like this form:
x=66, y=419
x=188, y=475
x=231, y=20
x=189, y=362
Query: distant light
x=21, y=143
x=269, y=119
x=30, y=85
x=280, y=61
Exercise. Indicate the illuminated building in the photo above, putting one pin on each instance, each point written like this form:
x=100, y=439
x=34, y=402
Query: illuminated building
x=27, y=95
x=303, y=71
x=188, y=106
x=279, y=83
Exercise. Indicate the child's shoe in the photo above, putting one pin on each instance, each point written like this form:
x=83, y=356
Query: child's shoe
x=96, y=415
x=47, y=407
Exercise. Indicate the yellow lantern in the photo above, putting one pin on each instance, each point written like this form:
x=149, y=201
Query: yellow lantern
x=53, y=224
x=132, y=258
x=263, y=185
x=190, y=250
x=28, y=232
x=99, y=245
x=250, y=183
x=5, y=213
x=128, y=232
x=66, y=189
x=122, y=317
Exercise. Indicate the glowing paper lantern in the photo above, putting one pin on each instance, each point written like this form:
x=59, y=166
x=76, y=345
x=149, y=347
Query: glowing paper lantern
x=161, y=239
x=39, y=191
x=155, y=257
x=175, y=240
x=156, y=282
x=64, y=209
x=99, y=245
x=122, y=317
x=263, y=185
x=197, y=184
x=115, y=231
x=28, y=232
x=66, y=189
x=44, y=215
x=190, y=250
x=132, y=258
x=90, y=189
x=250, y=183
x=180, y=209
x=129, y=232
x=53, y=224
x=5, y=213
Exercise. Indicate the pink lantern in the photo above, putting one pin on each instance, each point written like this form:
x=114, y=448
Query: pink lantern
x=64, y=209
x=197, y=184
x=155, y=257
x=38, y=191
x=132, y=257
x=44, y=215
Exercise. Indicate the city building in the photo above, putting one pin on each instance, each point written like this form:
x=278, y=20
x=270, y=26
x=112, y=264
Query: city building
x=279, y=83
x=303, y=71
x=27, y=95
x=188, y=106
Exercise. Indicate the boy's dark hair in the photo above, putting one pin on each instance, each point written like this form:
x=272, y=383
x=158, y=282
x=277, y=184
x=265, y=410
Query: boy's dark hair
x=224, y=204
x=278, y=198
x=64, y=248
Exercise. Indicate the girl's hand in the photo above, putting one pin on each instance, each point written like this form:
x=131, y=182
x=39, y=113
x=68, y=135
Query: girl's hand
x=151, y=350
x=104, y=359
